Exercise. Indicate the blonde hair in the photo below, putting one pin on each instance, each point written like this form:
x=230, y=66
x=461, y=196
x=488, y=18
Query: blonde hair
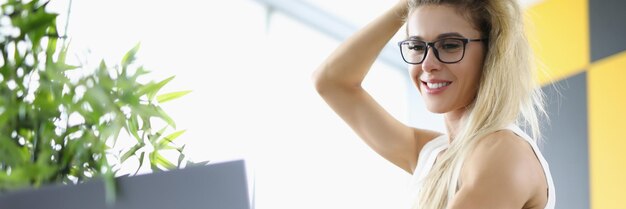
x=508, y=91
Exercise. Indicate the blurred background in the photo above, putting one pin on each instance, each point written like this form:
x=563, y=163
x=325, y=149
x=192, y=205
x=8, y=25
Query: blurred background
x=249, y=64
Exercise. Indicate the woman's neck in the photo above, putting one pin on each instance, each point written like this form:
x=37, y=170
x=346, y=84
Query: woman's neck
x=453, y=122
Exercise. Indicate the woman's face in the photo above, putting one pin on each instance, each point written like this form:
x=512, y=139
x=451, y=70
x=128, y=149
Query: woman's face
x=445, y=87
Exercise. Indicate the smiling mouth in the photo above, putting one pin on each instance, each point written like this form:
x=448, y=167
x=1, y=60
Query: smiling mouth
x=436, y=85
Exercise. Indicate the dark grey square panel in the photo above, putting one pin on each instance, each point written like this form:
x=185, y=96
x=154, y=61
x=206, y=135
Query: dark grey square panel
x=565, y=143
x=607, y=24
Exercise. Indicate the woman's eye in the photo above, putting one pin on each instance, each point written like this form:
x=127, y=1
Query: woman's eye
x=416, y=47
x=450, y=46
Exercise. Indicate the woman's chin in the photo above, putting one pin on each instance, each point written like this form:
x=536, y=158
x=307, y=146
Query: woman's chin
x=432, y=104
x=434, y=108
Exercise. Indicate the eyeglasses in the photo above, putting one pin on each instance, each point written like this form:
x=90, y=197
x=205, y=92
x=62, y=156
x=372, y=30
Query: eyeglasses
x=447, y=50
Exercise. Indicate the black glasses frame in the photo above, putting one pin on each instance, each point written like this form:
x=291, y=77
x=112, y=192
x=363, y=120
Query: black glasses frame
x=436, y=51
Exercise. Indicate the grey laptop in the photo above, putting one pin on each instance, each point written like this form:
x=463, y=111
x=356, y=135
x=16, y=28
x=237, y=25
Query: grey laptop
x=214, y=186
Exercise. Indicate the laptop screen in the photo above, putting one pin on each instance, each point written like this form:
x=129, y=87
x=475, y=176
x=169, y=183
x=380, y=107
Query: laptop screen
x=221, y=185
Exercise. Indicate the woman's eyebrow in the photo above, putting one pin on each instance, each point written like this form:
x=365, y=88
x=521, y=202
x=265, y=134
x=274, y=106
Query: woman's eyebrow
x=440, y=36
x=448, y=35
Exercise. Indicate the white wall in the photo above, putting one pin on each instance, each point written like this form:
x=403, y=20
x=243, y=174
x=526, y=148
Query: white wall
x=252, y=94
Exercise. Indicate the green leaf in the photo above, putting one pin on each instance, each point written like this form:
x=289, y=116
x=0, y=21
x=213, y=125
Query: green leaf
x=16, y=180
x=164, y=162
x=163, y=115
x=37, y=20
x=63, y=53
x=51, y=48
x=99, y=100
x=131, y=152
x=139, y=72
x=103, y=65
x=63, y=67
x=112, y=129
x=140, y=162
x=168, y=147
x=154, y=138
x=11, y=153
x=42, y=172
x=151, y=89
x=153, y=162
x=133, y=126
x=171, y=96
x=130, y=56
x=170, y=138
x=181, y=156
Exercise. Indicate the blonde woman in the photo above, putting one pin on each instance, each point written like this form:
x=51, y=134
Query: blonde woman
x=470, y=61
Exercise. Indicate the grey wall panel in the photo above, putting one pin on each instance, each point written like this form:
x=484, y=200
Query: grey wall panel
x=565, y=143
x=607, y=24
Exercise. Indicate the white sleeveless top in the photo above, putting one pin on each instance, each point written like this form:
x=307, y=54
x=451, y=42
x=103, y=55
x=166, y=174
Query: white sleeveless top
x=431, y=150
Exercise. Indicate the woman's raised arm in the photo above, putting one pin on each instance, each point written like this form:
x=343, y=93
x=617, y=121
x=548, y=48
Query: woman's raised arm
x=338, y=80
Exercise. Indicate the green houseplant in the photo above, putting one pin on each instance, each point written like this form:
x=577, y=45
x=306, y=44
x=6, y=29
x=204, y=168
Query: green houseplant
x=54, y=128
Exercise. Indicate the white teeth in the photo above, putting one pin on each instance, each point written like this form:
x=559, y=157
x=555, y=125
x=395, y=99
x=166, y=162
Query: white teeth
x=437, y=85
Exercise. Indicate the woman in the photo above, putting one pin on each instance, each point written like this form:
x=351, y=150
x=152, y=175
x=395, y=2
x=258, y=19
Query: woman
x=470, y=61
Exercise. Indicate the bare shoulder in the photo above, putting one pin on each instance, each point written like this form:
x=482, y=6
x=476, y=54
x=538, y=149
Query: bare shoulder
x=502, y=172
x=506, y=152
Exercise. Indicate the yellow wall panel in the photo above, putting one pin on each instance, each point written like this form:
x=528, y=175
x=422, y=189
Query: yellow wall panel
x=607, y=132
x=558, y=31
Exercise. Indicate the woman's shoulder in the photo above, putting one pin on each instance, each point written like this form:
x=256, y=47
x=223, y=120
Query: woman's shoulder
x=503, y=150
x=508, y=163
x=504, y=141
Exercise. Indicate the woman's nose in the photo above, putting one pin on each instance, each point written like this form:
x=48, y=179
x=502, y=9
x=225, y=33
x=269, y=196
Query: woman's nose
x=430, y=62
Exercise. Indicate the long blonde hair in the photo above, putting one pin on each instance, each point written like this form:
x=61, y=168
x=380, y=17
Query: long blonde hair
x=508, y=91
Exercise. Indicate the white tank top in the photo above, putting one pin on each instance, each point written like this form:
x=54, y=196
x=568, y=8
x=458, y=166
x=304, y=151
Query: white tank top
x=431, y=150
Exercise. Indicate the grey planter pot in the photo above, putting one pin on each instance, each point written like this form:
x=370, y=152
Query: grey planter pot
x=215, y=186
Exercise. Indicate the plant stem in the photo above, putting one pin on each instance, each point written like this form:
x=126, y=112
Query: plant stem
x=67, y=22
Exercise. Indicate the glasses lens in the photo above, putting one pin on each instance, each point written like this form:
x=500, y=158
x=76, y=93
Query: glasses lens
x=413, y=51
x=450, y=50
